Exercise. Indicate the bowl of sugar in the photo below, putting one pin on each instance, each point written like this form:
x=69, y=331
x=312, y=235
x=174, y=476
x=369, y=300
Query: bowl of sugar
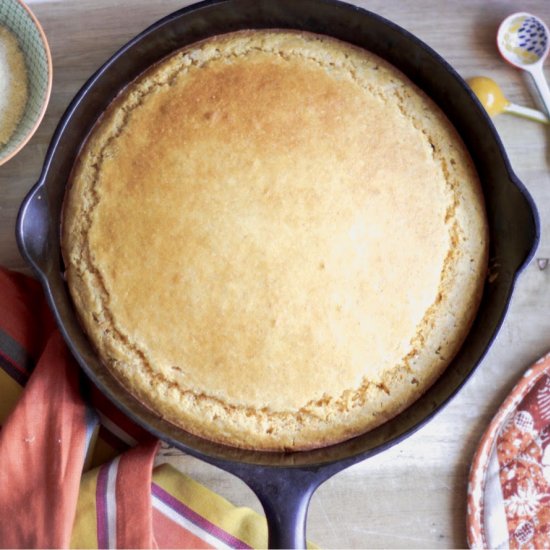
x=25, y=76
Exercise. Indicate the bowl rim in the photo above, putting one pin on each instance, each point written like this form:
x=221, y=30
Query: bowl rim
x=47, y=51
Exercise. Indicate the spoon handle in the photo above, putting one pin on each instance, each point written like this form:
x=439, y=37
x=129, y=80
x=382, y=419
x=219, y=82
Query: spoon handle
x=527, y=112
x=542, y=85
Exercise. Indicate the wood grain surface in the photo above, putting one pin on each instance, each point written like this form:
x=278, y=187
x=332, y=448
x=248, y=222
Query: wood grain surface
x=413, y=495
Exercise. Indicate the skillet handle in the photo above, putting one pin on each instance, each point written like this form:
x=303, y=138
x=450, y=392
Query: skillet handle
x=285, y=494
x=33, y=227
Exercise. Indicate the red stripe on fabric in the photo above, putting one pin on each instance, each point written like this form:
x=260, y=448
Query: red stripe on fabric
x=12, y=371
x=116, y=416
x=15, y=352
x=133, y=497
x=197, y=519
x=101, y=507
x=25, y=315
x=110, y=438
x=169, y=534
x=13, y=364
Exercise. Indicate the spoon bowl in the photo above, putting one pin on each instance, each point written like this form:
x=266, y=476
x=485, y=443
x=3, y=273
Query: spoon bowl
x=489, y=94
x=524, y=41
x=495, y=102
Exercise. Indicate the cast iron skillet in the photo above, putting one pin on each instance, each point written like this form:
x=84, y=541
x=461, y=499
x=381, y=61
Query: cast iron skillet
x=284, y=482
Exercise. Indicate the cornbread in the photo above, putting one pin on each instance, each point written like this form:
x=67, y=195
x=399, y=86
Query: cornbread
x=13, y=84
x=275, y=240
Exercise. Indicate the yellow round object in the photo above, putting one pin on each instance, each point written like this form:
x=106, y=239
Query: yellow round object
x=489, y=94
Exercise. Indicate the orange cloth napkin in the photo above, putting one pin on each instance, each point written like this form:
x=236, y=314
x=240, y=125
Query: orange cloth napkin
x=50, y=497
x=509, y=486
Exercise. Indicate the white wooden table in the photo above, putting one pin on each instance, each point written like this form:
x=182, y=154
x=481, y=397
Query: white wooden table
x=413, y=495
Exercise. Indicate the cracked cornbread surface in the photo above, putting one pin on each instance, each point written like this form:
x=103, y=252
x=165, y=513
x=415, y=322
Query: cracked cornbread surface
x=274, y=240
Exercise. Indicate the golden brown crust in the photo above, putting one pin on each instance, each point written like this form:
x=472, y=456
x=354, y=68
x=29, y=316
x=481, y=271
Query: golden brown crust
x=275, y=240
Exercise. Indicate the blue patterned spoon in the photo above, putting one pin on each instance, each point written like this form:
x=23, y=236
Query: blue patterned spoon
x=523, y=41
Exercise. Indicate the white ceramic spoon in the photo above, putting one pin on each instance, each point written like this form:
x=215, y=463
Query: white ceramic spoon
x=524, y=41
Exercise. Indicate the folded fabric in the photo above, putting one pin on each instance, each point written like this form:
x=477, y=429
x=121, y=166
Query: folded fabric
x=78, y=474
x=509, y=485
